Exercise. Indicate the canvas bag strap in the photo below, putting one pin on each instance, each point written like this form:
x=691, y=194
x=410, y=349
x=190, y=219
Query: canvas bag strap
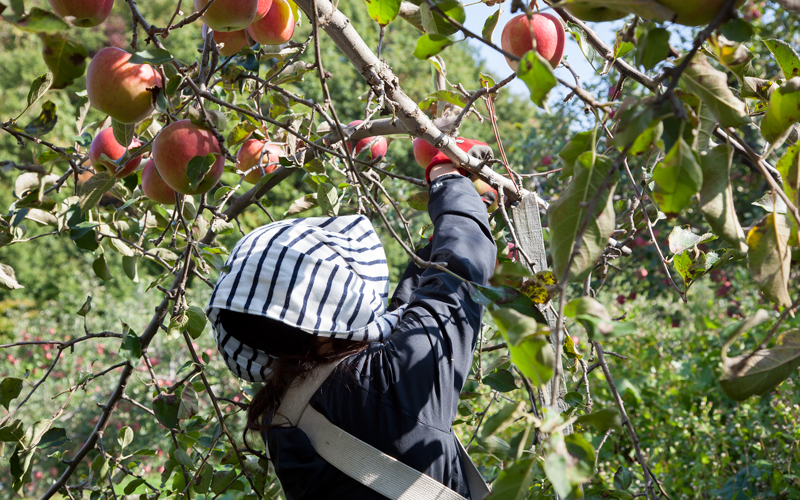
x=359, y=460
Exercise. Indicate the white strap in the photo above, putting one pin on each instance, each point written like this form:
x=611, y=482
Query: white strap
x=361, y=461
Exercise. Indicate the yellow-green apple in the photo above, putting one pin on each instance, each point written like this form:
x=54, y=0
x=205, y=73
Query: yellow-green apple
x=105, y=143
x=547, y=30
x=84, y=13
x=250, y=155
x=233, y=41
x=423, y=152
x=697, y=12
x=378, y=148
x=175, y=147
x=154, y=187
x=274, y=22
x=228, y=15
x=119, y=88
x=595, y=14
x=488, y=194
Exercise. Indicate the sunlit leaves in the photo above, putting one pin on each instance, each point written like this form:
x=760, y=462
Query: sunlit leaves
x=786, y=56
x=535, y=359
x=770, y=257
x=383, y=11
x=152, y=56
x=65, y=58
x=431, y=44
x=93, y=189
x=537, y=74
x=490, y=24
x=716, y=197
x=198, y=167
x=711, y=86
x=44, y=122
x=596, y=320
x=653, y=49
x=789, y=167
x=8, y=280
x=514, y=482
x=568, y=218
x=435, y=23
x=131, y=347
x=678, y=178
x=569, y=462
x=783, y=111
x=502, y=419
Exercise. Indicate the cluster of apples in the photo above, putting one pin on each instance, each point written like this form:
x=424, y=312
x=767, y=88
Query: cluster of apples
x=125, y=91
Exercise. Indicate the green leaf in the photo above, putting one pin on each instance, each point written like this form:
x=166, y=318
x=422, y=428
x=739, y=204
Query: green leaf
x=65, y=58
x=166, y=406
x=430, y=44
x=182, y=457
x=100, y=268
x=44, y=122
x=789, y=167
x=131, y=347
x=10, y=388
x=505, y=296
x=737, y=30
x=682, y=238
x=86, y=307
x=579, y=144
x=490, y=24
x=500, y=380
x=123, y=132
x=198, y=167
x=328, y=199
x=711, y=86
x=189, y=405
x=435, y=24
x=129, y=266
x=8, y=280
x=514, y=325
x=771, y=257
x=125, y=436
x=535, y=359
x=41, y=21
x=12, y=432
x=568, y=463
x=602, y=420
x=39, y=86
x=537, y=74
x=502, y=419
x=94, y=189
x=694, y=264
x=783, y=111
x=197, y=321
x=757, y=374
x=383, y=11
x=566, y=217
x=53, y=438
x=151, y=56
x=595, y=319
x=419, y=201
x=653, y=49
x=786, y=56
x=131, y=487
x=623, y=478
x=514, y=482
x=716, y=197
x=678, y=178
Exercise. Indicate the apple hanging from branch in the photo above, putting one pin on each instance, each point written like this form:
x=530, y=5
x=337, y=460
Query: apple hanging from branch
x=84, y=13
x=154, y=187
x=105, y=143
x=250, y=154
x=274, y=22
x=175, y=148
x=228, y=15
x=547, y=30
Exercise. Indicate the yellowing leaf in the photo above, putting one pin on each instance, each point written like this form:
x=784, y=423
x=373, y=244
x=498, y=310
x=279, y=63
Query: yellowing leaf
x=711, y=86
x=783, y=111
x=770, y=257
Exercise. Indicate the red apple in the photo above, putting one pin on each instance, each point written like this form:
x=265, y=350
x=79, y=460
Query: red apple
x=423, y=152
x=233, y=42
x=274, y=22
x=38, y=475
x=250, y=154
x=228, y=15
x=85, y=13
x=174, y=148
x=549, y=34
x=377, y=149
x=697, y=13
x=119, y=88
x=547, y=160
x=621, y=299
x=641, y=273
x=105, y=142
x=154, y=187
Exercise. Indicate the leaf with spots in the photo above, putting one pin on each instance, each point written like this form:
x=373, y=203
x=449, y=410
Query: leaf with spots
x=66, y=59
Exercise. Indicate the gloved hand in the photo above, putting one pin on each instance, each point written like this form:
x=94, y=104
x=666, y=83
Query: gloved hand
x=476, y=149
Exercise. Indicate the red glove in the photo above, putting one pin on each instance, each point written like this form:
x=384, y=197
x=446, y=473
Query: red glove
x=476, y=149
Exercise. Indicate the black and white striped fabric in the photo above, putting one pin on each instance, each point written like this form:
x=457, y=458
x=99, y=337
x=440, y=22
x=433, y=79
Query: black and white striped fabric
x=326, y=276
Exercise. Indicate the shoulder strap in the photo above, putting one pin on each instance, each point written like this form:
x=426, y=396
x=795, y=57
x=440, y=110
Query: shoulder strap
x=359, y=460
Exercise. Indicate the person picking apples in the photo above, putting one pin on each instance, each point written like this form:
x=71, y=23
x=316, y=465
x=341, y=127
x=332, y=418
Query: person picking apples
x=303, y=309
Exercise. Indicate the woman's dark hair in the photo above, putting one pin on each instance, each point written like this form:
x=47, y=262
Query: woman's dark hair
x=296, y=353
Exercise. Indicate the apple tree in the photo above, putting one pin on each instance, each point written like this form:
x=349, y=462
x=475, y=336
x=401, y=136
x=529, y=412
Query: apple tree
x=208, y=116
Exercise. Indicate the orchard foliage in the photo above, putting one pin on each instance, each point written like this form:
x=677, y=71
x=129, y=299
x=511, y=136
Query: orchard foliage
x=148, y=142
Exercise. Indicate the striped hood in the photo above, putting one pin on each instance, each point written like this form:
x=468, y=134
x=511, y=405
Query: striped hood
x=325, y=275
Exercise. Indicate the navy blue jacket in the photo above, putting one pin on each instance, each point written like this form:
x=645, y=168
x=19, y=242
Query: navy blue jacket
x=401, y=396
